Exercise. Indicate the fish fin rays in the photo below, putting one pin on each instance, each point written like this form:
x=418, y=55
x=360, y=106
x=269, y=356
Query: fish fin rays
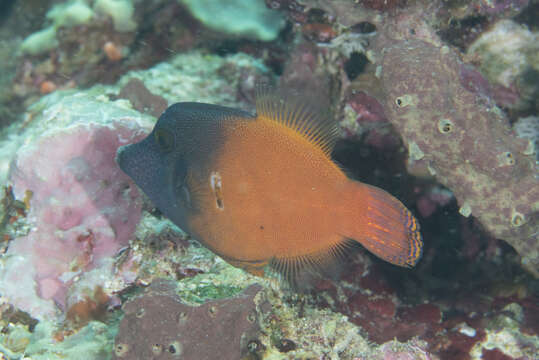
x=199, y=128
x=300, y=271
x=390, y=230
x=316, y=125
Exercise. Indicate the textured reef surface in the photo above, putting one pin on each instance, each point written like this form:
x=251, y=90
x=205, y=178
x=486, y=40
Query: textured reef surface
x=436, y=103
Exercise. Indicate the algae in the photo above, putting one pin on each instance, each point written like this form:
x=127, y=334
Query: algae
x=249, y=19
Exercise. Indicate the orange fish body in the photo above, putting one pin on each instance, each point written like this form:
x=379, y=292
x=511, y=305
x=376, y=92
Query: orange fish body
x=268, y=193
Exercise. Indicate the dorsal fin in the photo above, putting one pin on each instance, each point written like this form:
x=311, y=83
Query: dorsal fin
x=315, y=125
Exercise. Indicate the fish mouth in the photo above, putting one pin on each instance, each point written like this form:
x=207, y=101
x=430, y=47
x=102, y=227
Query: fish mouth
x=136, y=163
x=128, y=160
x=119, y=157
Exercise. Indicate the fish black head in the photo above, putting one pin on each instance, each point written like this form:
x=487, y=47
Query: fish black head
x=158, y=167
x=186, y=136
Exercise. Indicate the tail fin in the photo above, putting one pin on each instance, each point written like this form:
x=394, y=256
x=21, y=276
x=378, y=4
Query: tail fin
x=384, y=226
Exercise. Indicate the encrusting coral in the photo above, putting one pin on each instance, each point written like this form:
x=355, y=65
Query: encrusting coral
x=82, y=210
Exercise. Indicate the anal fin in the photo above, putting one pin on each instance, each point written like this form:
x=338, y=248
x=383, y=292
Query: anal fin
x=300, y=270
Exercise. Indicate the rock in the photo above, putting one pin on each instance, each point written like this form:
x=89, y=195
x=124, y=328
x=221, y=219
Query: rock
x=159, y=324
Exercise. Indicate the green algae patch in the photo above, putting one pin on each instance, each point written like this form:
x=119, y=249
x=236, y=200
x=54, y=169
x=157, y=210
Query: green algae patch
x=205, y=292
x=226, y=282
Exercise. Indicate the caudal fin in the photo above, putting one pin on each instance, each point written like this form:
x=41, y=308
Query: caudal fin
x=384, y=226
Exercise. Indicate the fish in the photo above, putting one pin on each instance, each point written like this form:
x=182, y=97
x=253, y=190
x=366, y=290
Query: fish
x=262, y=191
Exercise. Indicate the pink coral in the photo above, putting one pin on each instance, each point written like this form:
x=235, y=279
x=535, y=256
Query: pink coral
x=83, y=208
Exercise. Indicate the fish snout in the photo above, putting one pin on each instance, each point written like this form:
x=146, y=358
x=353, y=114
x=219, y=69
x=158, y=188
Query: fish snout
x=119, y=156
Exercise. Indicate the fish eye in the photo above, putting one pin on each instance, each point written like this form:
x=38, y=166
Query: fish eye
x=164, y=139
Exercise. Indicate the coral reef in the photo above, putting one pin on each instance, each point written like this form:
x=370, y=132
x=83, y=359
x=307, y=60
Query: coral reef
x=98, y=41
x=528, y=128
x=81, y=209
x=473, y=176
x=260, y=322
x=196, y=76
x=142, y=99
x=507, y=56
x=93, y=342
x=364, y=117
x=444, y=110
x=437, y=102
x=506, y=50
x=459, y=327
x=68, y=202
